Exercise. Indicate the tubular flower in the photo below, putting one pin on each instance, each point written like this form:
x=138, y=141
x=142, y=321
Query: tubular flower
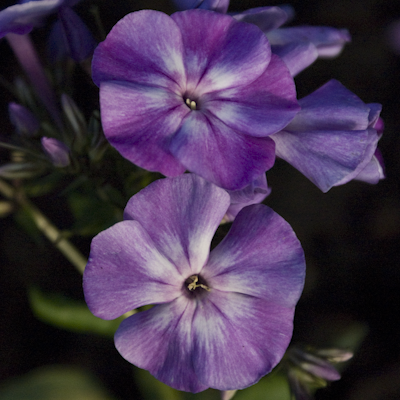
x=221, y=319
x=333, y=139
x=196, y=91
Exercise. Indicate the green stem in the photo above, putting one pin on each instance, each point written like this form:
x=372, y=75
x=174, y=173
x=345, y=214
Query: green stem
x=46, y=227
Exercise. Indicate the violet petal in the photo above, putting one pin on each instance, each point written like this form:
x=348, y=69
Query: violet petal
x=181, y=216
x=126, y=271
x=261, y=108
x=211, y=149
x=230, y=54
x=160, y=340
x=139, y=121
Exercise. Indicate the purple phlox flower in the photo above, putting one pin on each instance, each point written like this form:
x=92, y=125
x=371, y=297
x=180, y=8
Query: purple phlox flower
x=298, y=46
x=23, y=119
x=254, y=193
x=21, y=18
x=220, y=6
x=332, y=139
x=69, y=35
x=309, y=369
x=196, y=91
x=221, y=319
x=57, y=151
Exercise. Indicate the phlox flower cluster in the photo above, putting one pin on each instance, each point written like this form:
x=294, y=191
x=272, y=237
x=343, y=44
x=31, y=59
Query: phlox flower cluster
x=208, y=99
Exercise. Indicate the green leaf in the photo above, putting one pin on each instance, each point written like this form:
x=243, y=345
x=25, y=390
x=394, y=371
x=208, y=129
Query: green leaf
x=68, y=314
x=54, y=382
x=274, y=386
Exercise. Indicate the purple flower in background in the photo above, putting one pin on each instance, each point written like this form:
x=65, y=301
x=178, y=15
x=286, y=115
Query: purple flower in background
x=221, y=319
x=213, y=5
x=23, y=119
x=57, y=151
x=298, y=46
x=196, y=91
x=21, y=18
x=333, y=139
x=69, y=35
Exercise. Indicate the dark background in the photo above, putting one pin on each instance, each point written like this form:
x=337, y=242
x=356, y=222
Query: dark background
x=351, y=235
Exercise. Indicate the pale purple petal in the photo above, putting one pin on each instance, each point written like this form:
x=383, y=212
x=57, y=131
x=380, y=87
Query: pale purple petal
x=143, y=47
x=260, y=257
x=374, y=171
x=181, y=216
x=266, y=18
x=261, y=108
x=160, y=340
x=328, y=41
x=332, y=106
x=21, y=18
x=327, y=157
x=126, y=271
x=57, y=151
x=374, y=117
x=237, y=339
x=139, y=122
x=296, y=56
x=230, y=54
x=254, y=193
x=211, y=149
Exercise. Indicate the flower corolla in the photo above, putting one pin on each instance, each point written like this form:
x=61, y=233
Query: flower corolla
x=196, y=91
x=333, y=139
x=221, y=319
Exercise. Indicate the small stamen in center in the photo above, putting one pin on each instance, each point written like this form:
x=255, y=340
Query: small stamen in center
x=191, y=104
x=192, y=283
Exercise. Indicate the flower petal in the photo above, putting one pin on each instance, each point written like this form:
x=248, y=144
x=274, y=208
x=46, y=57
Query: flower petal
x=160, y=340
x=266, y=18
x=296, y=56
x=261, y=108
x=21, y=18
x=329, y=140
x=181, y=216
x=211, y=149
x=230, y=54
x=332, y=106
x=254, y=193
x=374, y=171
x=327, y=157
x=260, y=257
x=126, y=271
x=237, y=339
x=139, y=122
x=143, y=47
x=328, y=41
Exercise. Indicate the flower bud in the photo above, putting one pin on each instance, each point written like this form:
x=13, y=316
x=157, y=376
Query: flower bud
x=57, y=151
x=23, y=119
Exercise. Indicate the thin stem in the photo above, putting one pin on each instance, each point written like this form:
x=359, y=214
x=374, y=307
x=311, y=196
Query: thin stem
x=46, y=227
